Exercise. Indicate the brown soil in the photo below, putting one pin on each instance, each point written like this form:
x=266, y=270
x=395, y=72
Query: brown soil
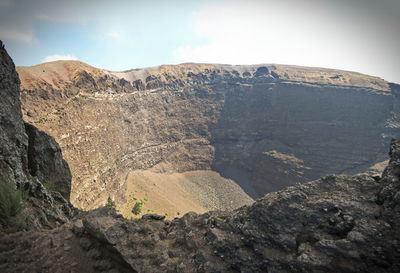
x=174, y=194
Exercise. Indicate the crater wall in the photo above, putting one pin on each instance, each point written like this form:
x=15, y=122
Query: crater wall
x=264, y=126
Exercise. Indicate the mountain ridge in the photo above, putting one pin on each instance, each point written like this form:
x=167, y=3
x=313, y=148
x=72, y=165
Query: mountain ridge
x=326, y=75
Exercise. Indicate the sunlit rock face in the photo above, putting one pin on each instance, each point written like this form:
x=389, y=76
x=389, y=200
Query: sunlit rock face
x=264, y=126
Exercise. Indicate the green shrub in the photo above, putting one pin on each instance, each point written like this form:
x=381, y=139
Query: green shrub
x=137, y=207
x=11, y=200
x=111, y=204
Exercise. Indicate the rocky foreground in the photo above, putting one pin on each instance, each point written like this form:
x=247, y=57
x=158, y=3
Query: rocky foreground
x=335, y=224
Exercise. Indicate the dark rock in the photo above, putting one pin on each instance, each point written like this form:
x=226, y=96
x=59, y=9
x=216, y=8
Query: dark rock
x=153, y=217
x=45, y=161
x=376, y=177
x=83, y=78
x=275, y=75
x=261, y=71
x=138, y=85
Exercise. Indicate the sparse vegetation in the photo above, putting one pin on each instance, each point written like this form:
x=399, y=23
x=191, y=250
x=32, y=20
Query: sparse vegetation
x=137, y=207
x=11, y=200
x=111, y=204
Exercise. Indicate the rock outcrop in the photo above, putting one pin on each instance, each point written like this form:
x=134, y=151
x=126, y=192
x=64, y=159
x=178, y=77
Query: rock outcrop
x=264, y=126
x=30, y=160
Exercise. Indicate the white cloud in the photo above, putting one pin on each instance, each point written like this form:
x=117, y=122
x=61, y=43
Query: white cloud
x=9, y=34
x=242, y=33
x=53, y=58
x=114, y=34
x=247, y=32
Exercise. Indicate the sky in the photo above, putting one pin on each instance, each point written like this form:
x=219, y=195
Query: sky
x=355, y=35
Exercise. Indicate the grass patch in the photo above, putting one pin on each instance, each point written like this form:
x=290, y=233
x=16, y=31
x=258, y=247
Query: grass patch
x=11, y=200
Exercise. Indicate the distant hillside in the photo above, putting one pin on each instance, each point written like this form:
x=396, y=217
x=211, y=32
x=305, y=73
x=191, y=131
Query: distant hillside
x=60, y=74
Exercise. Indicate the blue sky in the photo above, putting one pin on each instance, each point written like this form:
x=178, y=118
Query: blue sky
x=118, y=35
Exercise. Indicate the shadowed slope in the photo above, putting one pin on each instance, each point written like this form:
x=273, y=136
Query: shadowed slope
x=31, y=163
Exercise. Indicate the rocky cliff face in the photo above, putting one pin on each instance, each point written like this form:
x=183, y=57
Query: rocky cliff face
x=30, y=160
x=265, y=126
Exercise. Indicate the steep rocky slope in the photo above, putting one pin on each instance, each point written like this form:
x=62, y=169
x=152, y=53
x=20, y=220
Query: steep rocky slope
x=30, y=160
x=264, y=126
